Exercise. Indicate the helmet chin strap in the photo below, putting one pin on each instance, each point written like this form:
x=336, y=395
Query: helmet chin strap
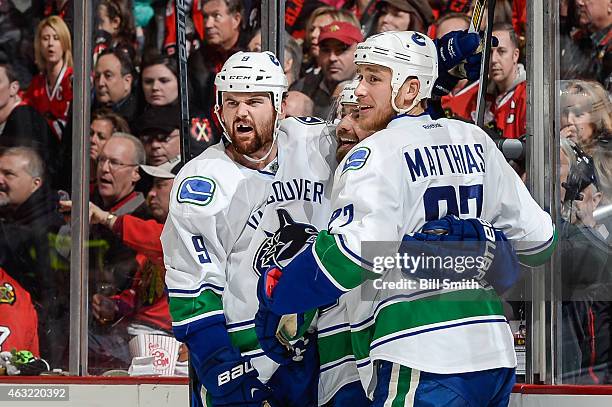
x=403, y=111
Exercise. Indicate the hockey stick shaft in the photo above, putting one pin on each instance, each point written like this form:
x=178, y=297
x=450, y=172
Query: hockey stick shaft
x=181, y=54
x=484, y=67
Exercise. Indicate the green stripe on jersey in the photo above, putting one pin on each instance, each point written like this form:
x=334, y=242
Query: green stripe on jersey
x=182, y=308
x=446, y=307
x=344, y=271
x=542, y=257
x=245, y=340
x=334, y=347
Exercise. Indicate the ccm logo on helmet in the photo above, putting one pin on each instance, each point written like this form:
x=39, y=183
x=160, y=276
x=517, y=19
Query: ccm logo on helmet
x=239, y=77
x=234, y=373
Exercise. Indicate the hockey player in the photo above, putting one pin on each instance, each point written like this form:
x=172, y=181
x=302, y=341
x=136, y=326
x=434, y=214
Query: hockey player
x=234, y=211
x=432, y=347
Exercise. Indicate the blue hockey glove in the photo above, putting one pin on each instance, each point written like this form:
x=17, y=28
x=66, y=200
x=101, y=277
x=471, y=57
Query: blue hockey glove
x=267, y=323
x=231, y=380
x=454, y=48
x=495, y=262
x=457, y=59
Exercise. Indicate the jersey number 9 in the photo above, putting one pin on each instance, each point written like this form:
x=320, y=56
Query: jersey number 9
x=200, y=248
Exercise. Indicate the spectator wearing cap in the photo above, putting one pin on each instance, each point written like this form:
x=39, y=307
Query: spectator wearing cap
x=143, y=307
x=158, y=129
x=338, y=42
x=402, y=15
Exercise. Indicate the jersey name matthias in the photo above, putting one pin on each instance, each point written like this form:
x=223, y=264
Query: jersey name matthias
x=445, y=159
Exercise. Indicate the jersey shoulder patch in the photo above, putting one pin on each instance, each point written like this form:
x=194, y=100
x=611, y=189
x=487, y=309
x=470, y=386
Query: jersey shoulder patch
x=309, y=120
x=7, y=294
x=356, y=160
x=196, y=190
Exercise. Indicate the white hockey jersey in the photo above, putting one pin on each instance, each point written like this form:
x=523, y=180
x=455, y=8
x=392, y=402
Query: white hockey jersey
x=206, y=234
x=389, y=185
x=253, y=219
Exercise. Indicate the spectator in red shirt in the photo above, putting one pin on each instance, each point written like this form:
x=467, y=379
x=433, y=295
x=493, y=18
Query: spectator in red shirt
x=145, y=299
x=50, y=91
x=18, y=318
x=508, y=77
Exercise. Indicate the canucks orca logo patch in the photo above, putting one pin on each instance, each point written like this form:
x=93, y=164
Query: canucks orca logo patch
x=418, y=39
x=309, y=120
x=281, y=246
x=356, y=160
x=273, y=59
x=7, y=294
x=196, y=190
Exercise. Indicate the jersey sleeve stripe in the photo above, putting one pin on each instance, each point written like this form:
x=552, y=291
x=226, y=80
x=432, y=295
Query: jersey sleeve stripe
x=537, y=248
x=245, y=340
x=347, y=359
x=176, y=292
x=334, y=347
x=352, y=255
x=344, y=326
x=195, y=318
x=239, y=325
x=540, y=257
x=185, y=309
x=345, y=273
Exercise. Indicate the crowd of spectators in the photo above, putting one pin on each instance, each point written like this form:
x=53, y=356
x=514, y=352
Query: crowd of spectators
x=135, y=144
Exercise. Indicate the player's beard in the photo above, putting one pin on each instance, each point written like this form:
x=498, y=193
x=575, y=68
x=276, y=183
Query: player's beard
x=378, y=120
x=263, y=133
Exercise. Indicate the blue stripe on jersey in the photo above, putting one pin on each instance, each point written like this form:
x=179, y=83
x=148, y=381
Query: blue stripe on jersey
x=343, y=361
x=239, y=324
x=437, y=328
x=360, y=260
x=196, y=290
x=333, y=328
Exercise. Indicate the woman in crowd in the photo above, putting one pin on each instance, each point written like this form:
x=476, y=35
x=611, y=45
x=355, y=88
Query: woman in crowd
x=160, y=81
x=50, y=92
x=394, y=15
x=586, y=118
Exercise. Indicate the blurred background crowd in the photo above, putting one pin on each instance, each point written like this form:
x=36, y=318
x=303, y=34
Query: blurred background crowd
x=135, y=147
